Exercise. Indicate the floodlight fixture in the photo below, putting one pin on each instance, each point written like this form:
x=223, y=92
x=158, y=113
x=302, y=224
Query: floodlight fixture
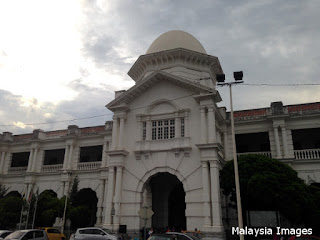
x=238, y=75
x=221, y=77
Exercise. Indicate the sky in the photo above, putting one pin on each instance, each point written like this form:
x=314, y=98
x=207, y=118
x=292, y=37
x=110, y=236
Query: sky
x=61, y=61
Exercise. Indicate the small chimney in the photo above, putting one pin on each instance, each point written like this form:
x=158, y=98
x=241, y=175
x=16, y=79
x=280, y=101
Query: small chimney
x=38, y=134
x=7, y=137
x=73, y=130
x=277, y=107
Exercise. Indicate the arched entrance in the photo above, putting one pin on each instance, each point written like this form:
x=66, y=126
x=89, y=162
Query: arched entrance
x=168, y=202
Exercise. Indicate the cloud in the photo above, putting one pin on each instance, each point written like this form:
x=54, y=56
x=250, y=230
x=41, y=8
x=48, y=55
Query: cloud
x=18, y=117
x=271, y=41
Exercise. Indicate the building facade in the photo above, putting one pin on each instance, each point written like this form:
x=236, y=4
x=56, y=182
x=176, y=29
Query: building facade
x=165, y=146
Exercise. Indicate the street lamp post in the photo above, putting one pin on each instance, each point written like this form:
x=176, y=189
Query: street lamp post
x=238, y=79
x=65, y=201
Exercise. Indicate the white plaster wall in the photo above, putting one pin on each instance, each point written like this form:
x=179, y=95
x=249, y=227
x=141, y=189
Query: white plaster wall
x=136, y=172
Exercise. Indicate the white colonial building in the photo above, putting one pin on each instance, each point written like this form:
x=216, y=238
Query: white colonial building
x=165, y=146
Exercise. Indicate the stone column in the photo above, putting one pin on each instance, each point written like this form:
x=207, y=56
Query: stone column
x=104, y=154
x=109, y=198
x=284, y=142
x=148, y=130
x=70, y=157
x=121, y=133
x=140, y=129
x=30, y=161
x=276, y=138
x=61, y=190
x=100, y=202
x=7, y=162
x=34, y=161
x=104, y=203
x=66, y=188
x=206, y=194
x=177, y=126
x=215, y=197
x=66, y=157
x=117, y=195
x=3, y=154
x=203, y=124
x=114, y=133
x=225, y=143
x=211, y=124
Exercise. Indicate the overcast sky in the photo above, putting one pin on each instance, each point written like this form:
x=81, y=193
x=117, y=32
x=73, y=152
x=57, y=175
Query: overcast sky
x=63, y=60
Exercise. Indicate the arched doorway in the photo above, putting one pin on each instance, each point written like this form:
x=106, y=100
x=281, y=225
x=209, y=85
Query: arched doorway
x=168, y=202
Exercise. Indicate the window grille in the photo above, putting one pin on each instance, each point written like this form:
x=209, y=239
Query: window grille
x=163, y=129
x=144, y=130
x=182, y=127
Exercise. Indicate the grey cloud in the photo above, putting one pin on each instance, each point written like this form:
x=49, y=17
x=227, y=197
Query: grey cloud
x=271, y=41
x=89, y=102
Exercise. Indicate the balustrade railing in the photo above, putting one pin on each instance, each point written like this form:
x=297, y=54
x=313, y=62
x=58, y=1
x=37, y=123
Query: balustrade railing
x=307, y=154
x=14, y=170
x=89, y=165
x=52, y=168
x=267, y=154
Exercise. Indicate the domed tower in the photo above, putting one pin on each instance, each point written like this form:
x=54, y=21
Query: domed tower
x=180, y=54
x=166, y=147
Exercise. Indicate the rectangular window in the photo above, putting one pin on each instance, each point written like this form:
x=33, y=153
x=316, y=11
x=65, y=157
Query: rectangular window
x=20, y=159
x=52, y=157
x=163, y=129
x=144, y=130
x=182, y=127
x=154, y=133
x=91, y=154
x=172, y=130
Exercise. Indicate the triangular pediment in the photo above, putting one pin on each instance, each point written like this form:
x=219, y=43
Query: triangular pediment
x=150, y=81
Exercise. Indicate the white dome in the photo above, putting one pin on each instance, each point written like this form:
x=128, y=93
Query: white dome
x=176, y=39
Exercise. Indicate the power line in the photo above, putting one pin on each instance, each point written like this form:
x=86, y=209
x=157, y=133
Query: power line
x=109, y=114
x=284, y=85
x=83, y=118
x=270, y=84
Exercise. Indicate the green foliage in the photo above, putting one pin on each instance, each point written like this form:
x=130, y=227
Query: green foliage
x=83, y=208
x=48, y=209
x=313, y=208
x=79, y=216
x=74, y=189
x=10, y=210
x=266, y=184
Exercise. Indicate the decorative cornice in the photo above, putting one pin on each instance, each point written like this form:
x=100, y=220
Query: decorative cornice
x=150, y=81
x=173, y=58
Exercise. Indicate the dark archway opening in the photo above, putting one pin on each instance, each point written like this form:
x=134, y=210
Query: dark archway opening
x=168, y=202
x=84, y=208
x=177, y=208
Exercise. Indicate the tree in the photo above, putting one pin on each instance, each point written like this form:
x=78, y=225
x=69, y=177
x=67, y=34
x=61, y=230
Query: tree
x=74, y=189
x=48, y=208
x=84, y=207
x=10, y=210
x=266, y=184
x=313, y=208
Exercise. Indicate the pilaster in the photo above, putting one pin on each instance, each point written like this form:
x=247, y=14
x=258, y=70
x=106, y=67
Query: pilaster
x=211, y=124
x=203, y=124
